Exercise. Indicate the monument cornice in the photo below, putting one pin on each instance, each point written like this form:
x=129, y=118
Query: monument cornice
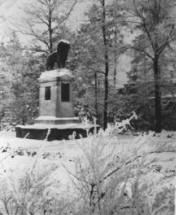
x=57, y=74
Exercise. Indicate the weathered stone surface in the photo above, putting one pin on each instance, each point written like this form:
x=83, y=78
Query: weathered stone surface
x=55, y=107
x=56, y=121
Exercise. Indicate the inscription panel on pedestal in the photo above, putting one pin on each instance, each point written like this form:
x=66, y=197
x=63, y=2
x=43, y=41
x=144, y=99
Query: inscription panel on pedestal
x=65, y=92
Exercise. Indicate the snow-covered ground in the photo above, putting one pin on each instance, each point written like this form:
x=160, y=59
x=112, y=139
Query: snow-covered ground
x=16, y=153
x=157, y=155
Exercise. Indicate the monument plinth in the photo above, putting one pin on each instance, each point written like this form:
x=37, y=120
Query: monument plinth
x=56, y=100
x=56, y=115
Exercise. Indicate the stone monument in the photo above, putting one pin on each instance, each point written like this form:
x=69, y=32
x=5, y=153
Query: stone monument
x=56, y=115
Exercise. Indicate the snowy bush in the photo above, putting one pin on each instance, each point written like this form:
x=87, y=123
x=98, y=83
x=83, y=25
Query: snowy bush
x=111, y=180
x=107, y=175
x=31, y=191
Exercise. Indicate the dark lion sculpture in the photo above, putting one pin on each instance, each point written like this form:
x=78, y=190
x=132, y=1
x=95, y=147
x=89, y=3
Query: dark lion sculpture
x=58, y=57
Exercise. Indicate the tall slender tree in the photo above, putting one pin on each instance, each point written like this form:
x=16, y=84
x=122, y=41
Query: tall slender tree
x=106, y=61
x=96, y=58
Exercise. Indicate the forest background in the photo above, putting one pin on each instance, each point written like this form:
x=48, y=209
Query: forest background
x=112, y=33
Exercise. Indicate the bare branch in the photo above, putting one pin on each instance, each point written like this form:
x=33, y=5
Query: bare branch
x=142, y=51
x=167, y=41
x=43, y=21
x=68, y=13
x=143, y=24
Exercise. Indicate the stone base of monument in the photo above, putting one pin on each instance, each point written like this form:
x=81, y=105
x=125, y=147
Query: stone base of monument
x=51, y=120
x=49, y=132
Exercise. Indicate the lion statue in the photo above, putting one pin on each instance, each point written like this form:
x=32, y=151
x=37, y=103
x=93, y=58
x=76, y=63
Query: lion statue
x=59, y=57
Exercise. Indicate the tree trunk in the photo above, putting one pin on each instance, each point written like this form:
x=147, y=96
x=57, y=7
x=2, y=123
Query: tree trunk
x=106, y=100
x=115, y=68
x=50, y=31
x=115, y=41
x=106, y=60
x=96, y=95
x=158, y=106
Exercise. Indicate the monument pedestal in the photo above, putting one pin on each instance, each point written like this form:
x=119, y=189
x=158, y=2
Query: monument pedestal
x=56, y=120
x=54, y=132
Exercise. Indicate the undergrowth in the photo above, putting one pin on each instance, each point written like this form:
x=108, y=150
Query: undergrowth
x=109, y=177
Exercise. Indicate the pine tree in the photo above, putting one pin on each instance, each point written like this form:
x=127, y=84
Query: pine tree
x=20, y=70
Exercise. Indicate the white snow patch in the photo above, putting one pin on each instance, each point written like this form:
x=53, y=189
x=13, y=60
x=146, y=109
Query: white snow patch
x=64, y=41
x=57, y=73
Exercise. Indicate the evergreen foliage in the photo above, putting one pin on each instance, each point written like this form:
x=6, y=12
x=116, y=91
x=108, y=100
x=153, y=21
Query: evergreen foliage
x=20, y=71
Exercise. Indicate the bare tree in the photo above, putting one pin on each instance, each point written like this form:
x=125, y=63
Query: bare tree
x=154, y=19
x=44, y=20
